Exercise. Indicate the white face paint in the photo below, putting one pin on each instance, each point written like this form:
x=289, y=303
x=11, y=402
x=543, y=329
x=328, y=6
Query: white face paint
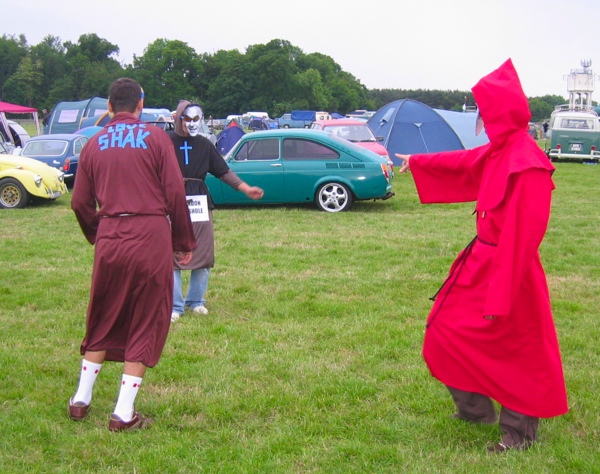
x=192, y=117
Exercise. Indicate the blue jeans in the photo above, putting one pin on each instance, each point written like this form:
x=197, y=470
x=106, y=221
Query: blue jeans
x=196, y=290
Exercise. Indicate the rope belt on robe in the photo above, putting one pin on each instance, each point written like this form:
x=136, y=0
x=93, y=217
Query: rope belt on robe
x=456, y=269
x=127, y=214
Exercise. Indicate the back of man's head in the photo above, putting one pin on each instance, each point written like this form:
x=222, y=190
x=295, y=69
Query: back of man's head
x=125, y=95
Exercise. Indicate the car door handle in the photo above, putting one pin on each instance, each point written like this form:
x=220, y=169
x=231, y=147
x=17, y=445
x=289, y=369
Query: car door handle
x=276, y=164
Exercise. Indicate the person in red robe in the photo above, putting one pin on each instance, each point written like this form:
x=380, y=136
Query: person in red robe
x=490, y=333
x=129, y=200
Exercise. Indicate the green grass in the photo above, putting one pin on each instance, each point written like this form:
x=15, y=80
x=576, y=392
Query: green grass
x=309, y=361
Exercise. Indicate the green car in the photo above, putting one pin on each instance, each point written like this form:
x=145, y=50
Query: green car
x=301, y=166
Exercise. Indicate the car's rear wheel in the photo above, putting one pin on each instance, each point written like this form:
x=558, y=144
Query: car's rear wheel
x=13, y=194
x=333, y=197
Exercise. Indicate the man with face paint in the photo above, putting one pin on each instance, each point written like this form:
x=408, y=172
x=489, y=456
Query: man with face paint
x=490, y=333
x=197, y=156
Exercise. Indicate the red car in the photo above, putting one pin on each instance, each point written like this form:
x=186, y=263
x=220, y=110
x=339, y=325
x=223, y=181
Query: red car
x=356, y=131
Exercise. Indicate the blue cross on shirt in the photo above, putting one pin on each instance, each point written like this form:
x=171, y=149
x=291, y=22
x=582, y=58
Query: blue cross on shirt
x=185, y=148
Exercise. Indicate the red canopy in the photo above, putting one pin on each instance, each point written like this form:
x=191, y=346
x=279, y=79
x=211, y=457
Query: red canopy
x=16, y=109
x=6, y=108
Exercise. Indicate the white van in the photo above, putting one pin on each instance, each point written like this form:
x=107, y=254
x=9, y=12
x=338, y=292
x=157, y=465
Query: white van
x=251, y=115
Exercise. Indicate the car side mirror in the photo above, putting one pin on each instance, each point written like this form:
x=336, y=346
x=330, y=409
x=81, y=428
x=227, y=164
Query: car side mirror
x=379, y=139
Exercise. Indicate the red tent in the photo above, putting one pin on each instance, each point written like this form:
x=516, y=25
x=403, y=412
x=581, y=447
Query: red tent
x=16, y=109
x=6, y=108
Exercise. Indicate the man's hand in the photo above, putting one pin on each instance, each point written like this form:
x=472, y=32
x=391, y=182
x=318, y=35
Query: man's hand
x=183, y=258
x=405, y=166
x=254, y=192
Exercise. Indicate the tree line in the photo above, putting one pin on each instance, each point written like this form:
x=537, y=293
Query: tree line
x=276, y=77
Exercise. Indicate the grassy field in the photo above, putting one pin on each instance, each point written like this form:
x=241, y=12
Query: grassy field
x=309, y=361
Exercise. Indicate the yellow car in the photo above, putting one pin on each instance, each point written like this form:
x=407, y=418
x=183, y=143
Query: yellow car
x=23, y=179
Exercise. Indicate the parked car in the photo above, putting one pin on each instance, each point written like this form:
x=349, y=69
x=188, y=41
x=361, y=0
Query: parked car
x=356, y=131
x=301, y=166
x=60, y=151
x=23, y=179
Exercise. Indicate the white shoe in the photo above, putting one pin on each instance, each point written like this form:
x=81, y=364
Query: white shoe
x=175, y=317
x=200, y=309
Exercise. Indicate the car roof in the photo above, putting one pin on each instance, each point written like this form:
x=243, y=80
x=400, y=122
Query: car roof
x=285, y=132
x=57, y=136
x=322, y=136
x=326, y=123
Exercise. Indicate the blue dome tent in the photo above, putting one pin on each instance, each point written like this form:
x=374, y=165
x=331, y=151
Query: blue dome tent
x=228, y=138
x=409, y=126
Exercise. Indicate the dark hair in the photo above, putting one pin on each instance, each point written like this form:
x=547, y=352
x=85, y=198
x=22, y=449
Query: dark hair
x=124, y=95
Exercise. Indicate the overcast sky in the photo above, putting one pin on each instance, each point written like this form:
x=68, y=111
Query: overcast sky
x=397, y=44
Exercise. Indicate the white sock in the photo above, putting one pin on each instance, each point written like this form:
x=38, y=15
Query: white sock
x=89, y=373
x=129, y=389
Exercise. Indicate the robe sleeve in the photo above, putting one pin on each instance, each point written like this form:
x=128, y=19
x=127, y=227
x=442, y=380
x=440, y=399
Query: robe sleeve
x=448, y=177
x=231, y=179
x=527, y=204
x=174, y=191
x=83, y=201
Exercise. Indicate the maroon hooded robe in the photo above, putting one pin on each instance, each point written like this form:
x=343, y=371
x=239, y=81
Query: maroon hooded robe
x=514, y=358
x=129, y=199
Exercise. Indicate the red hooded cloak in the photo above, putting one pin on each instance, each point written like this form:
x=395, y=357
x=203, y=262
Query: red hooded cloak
x=514, y=358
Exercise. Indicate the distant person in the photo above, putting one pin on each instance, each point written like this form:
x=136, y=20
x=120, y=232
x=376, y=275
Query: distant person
x=490, y=333
x=129, y=199
x=197, y=156
x=45, y=116
x=545, y=127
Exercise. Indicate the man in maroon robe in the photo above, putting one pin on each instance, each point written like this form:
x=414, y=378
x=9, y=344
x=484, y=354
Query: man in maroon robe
x=490, y=333
x=129, y=199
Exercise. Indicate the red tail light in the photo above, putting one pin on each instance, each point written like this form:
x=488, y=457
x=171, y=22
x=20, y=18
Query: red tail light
x=66, y=165
x=593, y=147
x=384, y=168
x=558, y=147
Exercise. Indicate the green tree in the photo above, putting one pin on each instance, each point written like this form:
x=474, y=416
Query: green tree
x=273, y=71
x=169, y=70
x=226, y=82
x=21, y=87
x=91, y=67
x=51, y=59
x=12, y=51
x=312, y=90
x=540, y=110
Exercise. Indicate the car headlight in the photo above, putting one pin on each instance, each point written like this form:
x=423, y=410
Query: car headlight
x=61, y=176
x=38, y=180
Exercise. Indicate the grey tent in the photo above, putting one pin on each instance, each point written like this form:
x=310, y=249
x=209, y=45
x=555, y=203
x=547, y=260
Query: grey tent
x=463, y=124
x=409, y=126
x=66, y=117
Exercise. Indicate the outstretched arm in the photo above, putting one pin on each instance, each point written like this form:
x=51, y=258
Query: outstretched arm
x=405, y=166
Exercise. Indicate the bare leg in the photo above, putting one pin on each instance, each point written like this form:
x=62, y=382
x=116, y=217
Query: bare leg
x=97, y=357
x=137, y=369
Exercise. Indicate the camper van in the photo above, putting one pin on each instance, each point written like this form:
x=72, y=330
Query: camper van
x=574, y=135
x=574, y=130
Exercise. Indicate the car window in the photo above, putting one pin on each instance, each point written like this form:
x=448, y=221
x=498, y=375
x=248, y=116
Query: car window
x=299, y=149
x=78, y=145
x=259, y=150
x=45, y=148
x=354, y=133
x=577, y=123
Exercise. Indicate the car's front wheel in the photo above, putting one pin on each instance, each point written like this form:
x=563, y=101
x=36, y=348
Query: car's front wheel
x=13, y=194
x=334, y=197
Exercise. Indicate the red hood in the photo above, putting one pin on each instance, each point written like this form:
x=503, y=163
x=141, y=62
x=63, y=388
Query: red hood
x=502, y=103
x=505, y=112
